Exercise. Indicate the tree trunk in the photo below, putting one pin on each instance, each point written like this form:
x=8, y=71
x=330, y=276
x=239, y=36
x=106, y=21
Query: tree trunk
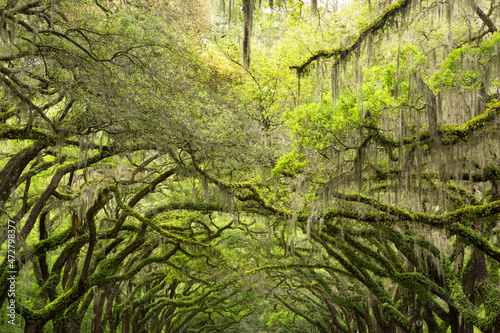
x=314, y=8
x=454, y=320
x=33, y=328
x=12, y=170
x=248, y=6
x=97, y=310
x=432, y=325
x=126, y=322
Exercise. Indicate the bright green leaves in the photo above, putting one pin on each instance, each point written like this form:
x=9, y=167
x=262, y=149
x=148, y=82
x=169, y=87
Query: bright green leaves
x=463, y=67
x=291, y=163
x=384, y=89
x=309, y=121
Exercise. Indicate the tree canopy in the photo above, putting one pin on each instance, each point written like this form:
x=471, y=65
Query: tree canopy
x=250, y=166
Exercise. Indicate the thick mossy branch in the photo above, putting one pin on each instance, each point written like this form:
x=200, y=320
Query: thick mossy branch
x=484, y=17
x=80, y=287
x=372, y=218
x=461, y=215
x=149, y=296
x=184, y=303
x=297, y=311
x=454, y=134
x=421, y=285
x=130, y=212
x=107, y=266
x=448, y=134
x=375, y=26
x=401, y=319
x=452, y=221
x=8, y=132
x=374, y=257
x=352, y=264
x=101, y=200
x=474, y=238
x=254, y=196
x=139, y=266
x=53, y=242
x=460, y=300
x=366, y=265
x=190, y=206
x=141, y=194
x=463, y=195
x=298, y=266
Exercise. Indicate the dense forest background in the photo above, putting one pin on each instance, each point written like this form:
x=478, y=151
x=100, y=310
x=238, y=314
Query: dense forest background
x=250, y=166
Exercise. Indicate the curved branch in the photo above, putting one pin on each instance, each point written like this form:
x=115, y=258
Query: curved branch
x=484, y=17
x=376, y=25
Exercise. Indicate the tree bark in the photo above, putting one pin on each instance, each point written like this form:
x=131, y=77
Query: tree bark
x=13, y=169
x=314, y=8
x=485, y=18
x=248, y=7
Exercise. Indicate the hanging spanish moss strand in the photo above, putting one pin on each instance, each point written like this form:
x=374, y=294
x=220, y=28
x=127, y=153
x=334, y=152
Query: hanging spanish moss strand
x=369, y=46
x=222, y=5
x=449, y=17
x=370, y=173
x=295, y=224
x=410, y=153
x=84, y=145
x=359, y=85
x=227, y=198
x=396, y=74
x=3, y=28
x=430, y=106
x=317, y=82
x=484, y=90
x=308, y=227
x=340, y=169
x=358, y=169
x=204, y=185
x=320, y=79
x=419, y=160
x=335, y=84
x=343, y=80
x=52, y=4
x=497, y=56
x=440, y=154
x=12, y=36
x=298, y=88
x=314, y=8
x=400, y=174
x=480, y=91
x=458, y=161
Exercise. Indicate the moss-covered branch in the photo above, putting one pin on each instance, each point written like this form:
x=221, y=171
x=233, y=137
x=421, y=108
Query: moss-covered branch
x=140, y=265
x=448, y=134
x=131, y=212
x=297, y=266
x=375, y=26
